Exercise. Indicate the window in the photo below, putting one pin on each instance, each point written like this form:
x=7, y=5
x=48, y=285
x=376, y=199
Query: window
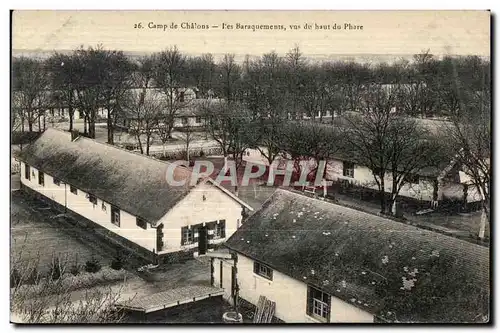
x=41, y=179
x=198, y=120
x=27, y=174
x=263, y=270
x=93, y=199
x=141, y=223
x=184, y=120
x=187, y=236
x=115, y=216
x=181, y=96
x=318, y=304
x=412, y=178
x=348, y=169
x=220, y=229
x=73, y=189
x=56, y=181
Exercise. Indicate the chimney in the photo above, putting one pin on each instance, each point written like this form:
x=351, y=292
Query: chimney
x=74, y=135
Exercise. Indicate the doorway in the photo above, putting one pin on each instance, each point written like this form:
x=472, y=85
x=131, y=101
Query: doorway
x=202, y=240
x=159, y=238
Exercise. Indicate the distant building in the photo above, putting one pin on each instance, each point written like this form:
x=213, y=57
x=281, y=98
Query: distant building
x=128, y=195
x=187, y=109
x=325, y=263
x=433, y=184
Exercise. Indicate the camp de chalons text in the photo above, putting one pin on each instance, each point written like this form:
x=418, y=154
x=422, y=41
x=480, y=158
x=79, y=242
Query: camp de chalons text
x=197, y=26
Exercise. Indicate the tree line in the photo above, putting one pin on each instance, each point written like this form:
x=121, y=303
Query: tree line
x=286, y=86
x=263, y=102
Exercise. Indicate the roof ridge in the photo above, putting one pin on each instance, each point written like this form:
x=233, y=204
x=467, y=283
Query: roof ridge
x=83, y=137
x=386, y=218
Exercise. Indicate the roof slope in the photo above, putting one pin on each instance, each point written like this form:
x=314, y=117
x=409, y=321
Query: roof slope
x=135, y=183
x=394, y=270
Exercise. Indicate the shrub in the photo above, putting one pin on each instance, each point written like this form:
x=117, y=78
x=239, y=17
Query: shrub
x=55, y=269
x=15, y=278
x=34, y=277
x=75, y=269
x=117, y=262
x=93, y=265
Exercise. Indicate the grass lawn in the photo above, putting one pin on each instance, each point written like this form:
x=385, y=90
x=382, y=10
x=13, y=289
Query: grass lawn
x=34, y=239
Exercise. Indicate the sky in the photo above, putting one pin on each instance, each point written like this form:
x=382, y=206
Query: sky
x=383, y=33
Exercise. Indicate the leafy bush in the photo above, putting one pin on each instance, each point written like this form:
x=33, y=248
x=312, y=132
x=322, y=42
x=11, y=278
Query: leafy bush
x=93, y=265
x=117, y=262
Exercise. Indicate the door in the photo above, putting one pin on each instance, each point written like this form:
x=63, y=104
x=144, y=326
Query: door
x=159, y=238
x=202, y=240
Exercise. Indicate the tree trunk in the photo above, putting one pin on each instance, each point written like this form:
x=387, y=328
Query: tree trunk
x=85, y=121
x=139, y=142
x=39, y=123
x=110, y=128
x=92, y=124
x=71, y=113
x=482, y=225
x=148, y=143
x=224, y=167
x=44, y=123
x=394, y=195
x=382, y=195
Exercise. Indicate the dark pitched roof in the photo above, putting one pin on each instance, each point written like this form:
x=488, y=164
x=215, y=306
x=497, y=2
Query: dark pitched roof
x=393, y=270
x=132, y=182
x=21, y=138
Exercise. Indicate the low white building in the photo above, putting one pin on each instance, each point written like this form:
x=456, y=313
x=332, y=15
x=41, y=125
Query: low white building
x=432, y=184
x=321, y=262
x=128, y=194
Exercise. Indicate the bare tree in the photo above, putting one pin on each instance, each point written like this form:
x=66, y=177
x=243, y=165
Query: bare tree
x=468, y=139
x=394, y=148
x=368, y=136
x=170, y=78
x=201, y=73
x=295, y=66
x=267, y=100
x=229, y=78
x=229, y=125
x=145, y=107
x=117, y=81
x=63, y=77
x=306, y=142
x=30, y=90
x=188, y=135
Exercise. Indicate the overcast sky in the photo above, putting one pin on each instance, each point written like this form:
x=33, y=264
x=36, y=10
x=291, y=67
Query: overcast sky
x=383, y=33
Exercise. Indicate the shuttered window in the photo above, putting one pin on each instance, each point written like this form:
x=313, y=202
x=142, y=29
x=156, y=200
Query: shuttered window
x=41, y=178
x=348, y=169
x=115, y=216
x=141, y=223
x=27, y=174
x=263, y=270
x=220, y=229
x=318, y=304
x=187, y=236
